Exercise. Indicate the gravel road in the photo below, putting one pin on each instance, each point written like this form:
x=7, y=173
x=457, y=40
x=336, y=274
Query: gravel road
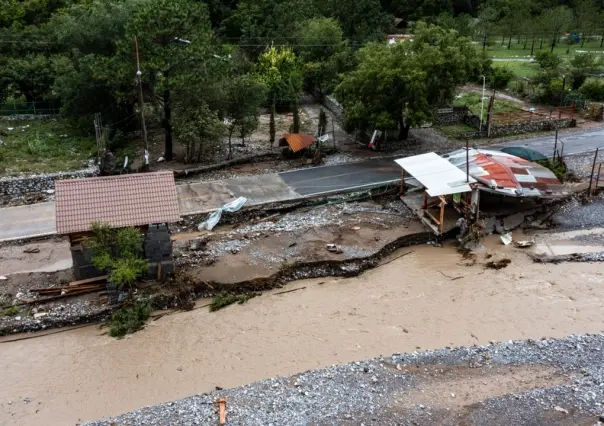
x=532, y=382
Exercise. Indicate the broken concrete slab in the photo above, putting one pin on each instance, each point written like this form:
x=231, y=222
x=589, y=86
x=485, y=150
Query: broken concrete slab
x=499, y=229
x=513, y=221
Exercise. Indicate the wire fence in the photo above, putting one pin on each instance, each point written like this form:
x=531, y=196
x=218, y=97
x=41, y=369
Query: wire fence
x=13, y=108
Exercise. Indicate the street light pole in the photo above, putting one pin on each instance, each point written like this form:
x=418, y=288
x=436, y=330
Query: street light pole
x=482, y=102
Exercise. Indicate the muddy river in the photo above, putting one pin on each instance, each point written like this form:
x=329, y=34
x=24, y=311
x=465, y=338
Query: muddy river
x=427, y=299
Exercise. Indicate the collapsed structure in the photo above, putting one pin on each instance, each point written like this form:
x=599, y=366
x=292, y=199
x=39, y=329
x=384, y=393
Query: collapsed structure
x=457, y=179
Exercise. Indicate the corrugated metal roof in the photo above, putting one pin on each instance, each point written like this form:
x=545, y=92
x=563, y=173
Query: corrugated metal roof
x=507, y=174
x=299, y=141
x=127, y=200
x=436, y=174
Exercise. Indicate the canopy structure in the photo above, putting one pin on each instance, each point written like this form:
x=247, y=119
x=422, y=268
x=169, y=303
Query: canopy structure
x=444, y=183
x=436, y=174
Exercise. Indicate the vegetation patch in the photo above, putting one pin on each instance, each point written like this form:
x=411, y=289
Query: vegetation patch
x=130, y=319
x=224, y=299
x=42, y=146
x=456, y=130
x=11, y=311
x=473, y=101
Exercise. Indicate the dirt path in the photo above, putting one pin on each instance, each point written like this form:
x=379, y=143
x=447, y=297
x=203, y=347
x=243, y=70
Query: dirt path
x=417, y=301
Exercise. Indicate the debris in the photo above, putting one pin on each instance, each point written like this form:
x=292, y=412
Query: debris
x=221, y=411
x=356, y=228
x=2, y=278
x=88, y=281
x=215, y=216
x=513, y=221
x=293, y=244
x=32, y=250
x=333, y=248
x=397, y=257
x=524, y=244
x=264, y=219
x=499, y=264
x=160, y=160
x=506, y=239
x=561, y=410
x=40, y=315
x=289, y=291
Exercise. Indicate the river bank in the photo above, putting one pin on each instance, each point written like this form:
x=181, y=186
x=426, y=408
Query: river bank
x=430, y=298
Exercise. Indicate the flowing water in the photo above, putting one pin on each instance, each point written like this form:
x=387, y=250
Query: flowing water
x=414, y=302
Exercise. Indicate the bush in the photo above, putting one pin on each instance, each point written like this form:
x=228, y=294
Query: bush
x=547, y=59
x=593, y=90
x=130, y=320
x=224, y=299
x=500, y=78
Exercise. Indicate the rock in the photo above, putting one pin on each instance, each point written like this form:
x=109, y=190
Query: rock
x=513, y=221
x=499, y=229
x=40, y=315
x=561, y=410
x=602, y=417
x=2, y=278
x=374, y=379
x=161, y=159
x=489, y=225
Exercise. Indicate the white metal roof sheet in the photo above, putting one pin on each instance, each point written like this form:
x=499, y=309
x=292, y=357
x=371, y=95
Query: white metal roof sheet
x=436, y=174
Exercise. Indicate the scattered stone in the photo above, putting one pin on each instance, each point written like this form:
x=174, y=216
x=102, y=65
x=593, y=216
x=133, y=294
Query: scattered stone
x=560, y=409
x=40, y=315
x=32, y=250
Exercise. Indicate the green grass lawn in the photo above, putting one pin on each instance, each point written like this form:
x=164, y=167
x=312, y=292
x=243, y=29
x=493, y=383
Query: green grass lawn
x=473, y=101
x=517, y=50
x=520, y=69
x=455, y=130
x=39, y=146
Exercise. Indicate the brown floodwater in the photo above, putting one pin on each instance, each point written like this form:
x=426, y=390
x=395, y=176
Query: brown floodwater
x=410, y=303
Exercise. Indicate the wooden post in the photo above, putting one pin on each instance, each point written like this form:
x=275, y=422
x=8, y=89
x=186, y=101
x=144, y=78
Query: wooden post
x=425, y=200
x=221, y=411
x=402, y=182
x=467, y=160
x=593, y=169
x=598, y=176
x=442, y=216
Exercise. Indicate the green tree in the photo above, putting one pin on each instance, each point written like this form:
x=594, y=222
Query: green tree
x=487, y=22
x=400, y=85
x=323, y=53
x=587, y=18
x=176, y=51
x=582, y=66
x=245, y=94
x=199, y=129
x=360, y=20
x=555, y=21
x=279, y=70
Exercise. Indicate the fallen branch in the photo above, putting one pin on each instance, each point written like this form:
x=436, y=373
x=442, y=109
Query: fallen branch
x=451, y=278
x=289, y=291
x=397, y=257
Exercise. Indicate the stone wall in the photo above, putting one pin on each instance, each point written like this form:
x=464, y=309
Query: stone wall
x=530, y=126
x=16, y=186
x=449, y=116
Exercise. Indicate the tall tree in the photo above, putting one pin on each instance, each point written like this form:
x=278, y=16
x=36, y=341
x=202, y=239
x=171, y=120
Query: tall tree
x=587, y=18
x=487, y=22
x=176, y=50
x=555, y=21
x=279, y=69
x=360, y=20
x=400, y=85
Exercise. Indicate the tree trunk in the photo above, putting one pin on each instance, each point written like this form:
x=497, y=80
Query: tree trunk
x=231, y=128
x=167, y=125
x=510, y=43
x=533, y=46
x=272, y=130
x=296, y=108
x=484, y=41
x=503, y=40
x=553, y=44
x=525, y=43
x=602, y=41
x=541, y=46
x=403, y=130
x=582, y=40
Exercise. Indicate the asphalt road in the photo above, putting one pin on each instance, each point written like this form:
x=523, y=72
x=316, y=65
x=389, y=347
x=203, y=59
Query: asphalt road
x=332, y=179
x=574, y=143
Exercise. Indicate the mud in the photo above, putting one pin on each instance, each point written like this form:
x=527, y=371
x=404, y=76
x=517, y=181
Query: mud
x=406, y=304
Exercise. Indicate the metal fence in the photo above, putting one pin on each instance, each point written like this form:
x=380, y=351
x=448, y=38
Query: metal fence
x=29, y=108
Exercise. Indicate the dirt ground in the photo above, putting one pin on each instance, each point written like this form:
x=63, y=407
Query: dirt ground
x=44, y=256
x=428, y=299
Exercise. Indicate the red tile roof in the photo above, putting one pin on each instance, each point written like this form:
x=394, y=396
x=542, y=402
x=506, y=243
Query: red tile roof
x=299, y=141
x=127, y=200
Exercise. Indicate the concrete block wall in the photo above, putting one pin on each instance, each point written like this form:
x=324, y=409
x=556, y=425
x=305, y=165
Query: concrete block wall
x=158, y=251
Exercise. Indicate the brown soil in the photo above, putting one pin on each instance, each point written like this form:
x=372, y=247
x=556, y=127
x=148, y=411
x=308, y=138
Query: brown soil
x=404, y=305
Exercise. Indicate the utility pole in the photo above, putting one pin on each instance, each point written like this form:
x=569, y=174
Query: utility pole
x=484, y=82
x=140, y=98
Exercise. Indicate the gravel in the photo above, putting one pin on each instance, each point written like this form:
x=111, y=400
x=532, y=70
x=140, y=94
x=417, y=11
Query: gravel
x=576, y=214
x=366, y=392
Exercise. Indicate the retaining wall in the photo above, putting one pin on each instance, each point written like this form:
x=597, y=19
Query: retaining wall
x=16, y=186
x=530, y=126
x=449, y=116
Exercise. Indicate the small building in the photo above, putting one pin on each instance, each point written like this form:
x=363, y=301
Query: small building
x=147, y=201
x=437, y=184
x=297, y=141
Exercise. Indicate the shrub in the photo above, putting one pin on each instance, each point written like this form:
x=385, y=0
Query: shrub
x=224, y=299
x=11, y=311
x=131, y=319
x=593, y=90
x=547, y=59
x=500, y=77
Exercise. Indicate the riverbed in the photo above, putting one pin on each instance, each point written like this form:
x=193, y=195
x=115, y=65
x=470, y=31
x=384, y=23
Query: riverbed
x=430, y=298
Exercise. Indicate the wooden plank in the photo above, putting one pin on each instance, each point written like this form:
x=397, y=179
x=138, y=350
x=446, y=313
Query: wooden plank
x=432, y=217
x=88, y=280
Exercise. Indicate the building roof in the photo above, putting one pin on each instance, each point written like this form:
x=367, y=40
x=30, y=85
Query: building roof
x=126, y=200
x=507, y=174
x=436, y=174
x=299, y=141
